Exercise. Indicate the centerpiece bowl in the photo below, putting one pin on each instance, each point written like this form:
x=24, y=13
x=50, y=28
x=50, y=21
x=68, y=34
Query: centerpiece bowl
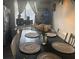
x=43, y=28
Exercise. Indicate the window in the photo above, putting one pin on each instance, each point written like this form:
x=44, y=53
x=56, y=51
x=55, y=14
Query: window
x=28, y=12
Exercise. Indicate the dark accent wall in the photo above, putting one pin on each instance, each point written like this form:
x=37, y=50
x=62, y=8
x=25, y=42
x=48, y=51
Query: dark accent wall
x=10, y=5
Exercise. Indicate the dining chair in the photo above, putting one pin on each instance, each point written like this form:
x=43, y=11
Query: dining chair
x=65, y=48
x=13, y=46
x=71, y=40
x=20, y=22
x=14, y=43
x=61, y=34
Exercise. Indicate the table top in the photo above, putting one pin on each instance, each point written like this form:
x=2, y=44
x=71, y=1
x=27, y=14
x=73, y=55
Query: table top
x=44, y=48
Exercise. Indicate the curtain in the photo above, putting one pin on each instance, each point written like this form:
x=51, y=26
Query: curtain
x=16, y=10
x=33, y=6
x=21, y=5
x=6, y=13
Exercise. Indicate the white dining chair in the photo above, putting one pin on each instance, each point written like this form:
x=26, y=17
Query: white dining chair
x=14, y=43
x=71, y=40
x=65, y=47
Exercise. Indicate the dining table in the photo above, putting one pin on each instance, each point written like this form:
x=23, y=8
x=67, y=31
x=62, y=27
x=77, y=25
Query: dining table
x=24, y=39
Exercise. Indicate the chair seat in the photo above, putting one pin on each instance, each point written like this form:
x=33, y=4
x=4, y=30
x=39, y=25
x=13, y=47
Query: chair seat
x=47, y=55
x=63, y=47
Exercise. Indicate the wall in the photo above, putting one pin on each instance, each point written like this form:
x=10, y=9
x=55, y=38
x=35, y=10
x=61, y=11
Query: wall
x=64, y=17
x=43, y=9
x=10, y=4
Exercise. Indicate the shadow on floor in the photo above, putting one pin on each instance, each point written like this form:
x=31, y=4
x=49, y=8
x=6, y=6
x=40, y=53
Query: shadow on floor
x=7, y=54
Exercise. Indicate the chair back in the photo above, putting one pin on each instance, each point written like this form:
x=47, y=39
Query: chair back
x=71, y=40
x=14, y=43
x=62, y=34
x=13, y=46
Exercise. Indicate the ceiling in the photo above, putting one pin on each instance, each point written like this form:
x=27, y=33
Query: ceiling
x=40, y=3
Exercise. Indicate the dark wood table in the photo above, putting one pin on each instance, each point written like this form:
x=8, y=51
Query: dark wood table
x=44, y=48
